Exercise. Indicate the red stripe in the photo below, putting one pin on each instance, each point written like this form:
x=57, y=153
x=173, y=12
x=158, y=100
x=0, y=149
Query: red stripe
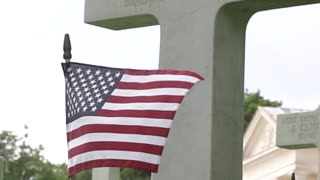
x=169, y=72
x=112, y=163
x=121, y=146
x=152, y=85
x=137, y=99
x=136, y=113
x=125, y=129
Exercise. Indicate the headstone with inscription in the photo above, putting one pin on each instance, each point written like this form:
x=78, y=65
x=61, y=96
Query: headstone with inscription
x=207, y=37
x=299, y=130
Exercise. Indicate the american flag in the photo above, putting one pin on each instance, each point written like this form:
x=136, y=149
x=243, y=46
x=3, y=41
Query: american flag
x=120, y=117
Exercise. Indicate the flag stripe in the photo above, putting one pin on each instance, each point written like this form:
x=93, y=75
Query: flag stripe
x=150, y=92
x=136, y=113
x=115, y=137
x=157, y=77
x=124, y=146
x=153, y=85
x=172, y=72
x=118, y=117
x=141, y=106
x=147, y=122
x=123, y=129
x=139, y=99
x=112, y=163
x=109, y=154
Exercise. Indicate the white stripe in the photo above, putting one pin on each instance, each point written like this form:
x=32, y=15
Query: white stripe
x=116, y=137
x=150, y=92
x=149, y=122
x=107, y=154
x=158, y=77
x=141, y=106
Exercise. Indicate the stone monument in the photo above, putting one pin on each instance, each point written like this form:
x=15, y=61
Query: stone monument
x=299, y=130
x=207, y=37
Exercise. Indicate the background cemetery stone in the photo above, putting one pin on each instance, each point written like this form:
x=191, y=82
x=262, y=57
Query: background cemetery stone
x=208, y=37
x=299, y=131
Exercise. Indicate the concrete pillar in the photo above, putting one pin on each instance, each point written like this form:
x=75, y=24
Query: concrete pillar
x=1, y=167
x=106, y=174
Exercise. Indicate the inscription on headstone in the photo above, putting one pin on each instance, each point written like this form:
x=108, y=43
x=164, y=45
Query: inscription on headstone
x=139, y=3
x=299, y=130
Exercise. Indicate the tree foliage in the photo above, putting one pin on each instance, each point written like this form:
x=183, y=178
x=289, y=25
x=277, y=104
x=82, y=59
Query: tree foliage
x=23, y=162
x=134, y=174
x=252, y=101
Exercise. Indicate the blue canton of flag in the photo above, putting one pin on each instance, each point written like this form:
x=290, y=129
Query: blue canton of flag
x=87, y=87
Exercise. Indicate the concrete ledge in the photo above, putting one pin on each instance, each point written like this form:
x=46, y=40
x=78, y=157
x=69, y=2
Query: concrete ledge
x=127, y=22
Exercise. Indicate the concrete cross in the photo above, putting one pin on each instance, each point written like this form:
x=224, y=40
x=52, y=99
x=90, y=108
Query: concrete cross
x=208, y=125
x=299, y=130
x=208, y=37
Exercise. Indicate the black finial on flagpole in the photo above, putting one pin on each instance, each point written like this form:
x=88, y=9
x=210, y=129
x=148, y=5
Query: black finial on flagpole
x=67, y=48
x=293, y=176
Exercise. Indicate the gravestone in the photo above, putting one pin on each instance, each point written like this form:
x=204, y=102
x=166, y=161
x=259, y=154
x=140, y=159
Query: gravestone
x=299, y=130
x=207, y=37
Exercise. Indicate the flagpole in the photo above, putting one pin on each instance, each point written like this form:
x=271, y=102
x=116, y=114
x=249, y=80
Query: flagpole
x=67, y=48
x=67, y=57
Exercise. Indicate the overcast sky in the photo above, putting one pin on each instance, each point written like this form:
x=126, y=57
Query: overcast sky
x=282, y=60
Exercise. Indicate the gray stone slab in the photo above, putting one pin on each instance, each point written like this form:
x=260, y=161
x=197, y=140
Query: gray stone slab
x=105, y=173
x=299, y=130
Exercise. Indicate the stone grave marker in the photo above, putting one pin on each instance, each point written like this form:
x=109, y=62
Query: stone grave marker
x=299, y=130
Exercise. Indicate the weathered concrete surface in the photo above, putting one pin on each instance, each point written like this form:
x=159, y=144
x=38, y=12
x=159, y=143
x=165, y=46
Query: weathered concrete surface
x=299, y=131
x=208, y=37
x=105, y=173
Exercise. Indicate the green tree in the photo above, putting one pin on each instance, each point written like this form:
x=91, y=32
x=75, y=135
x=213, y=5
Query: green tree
x=134, y=174
x=252, y=101
x=23, y=162
x=84, y=175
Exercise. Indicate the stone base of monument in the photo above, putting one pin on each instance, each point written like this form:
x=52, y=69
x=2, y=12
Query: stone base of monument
x=105, y=174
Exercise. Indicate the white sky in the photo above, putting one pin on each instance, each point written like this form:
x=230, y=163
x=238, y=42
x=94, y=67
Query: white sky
x=282, y=60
